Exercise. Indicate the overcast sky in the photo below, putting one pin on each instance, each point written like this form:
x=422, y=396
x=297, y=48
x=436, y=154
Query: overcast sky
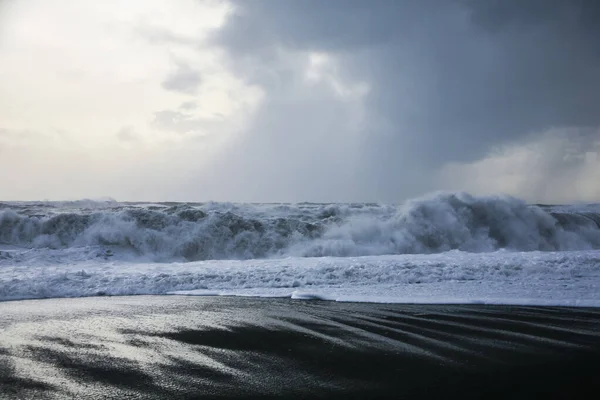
x=299, y=100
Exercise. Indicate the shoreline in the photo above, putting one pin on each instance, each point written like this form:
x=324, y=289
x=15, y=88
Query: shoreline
x=302, y=296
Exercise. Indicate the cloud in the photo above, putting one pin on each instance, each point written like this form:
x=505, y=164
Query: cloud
x=557, y=166
x=183, y=79
x=307, y=100
x=301, y=144
x=82, y=76
x=447, y=80
x=188, y=105
x=183, y=122
x=21, y=138
x=127, y=134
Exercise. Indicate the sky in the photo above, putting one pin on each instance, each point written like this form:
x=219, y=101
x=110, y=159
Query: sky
x=299, y=100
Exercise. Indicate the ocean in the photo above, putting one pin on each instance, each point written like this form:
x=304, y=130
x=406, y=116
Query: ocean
x=441, y=248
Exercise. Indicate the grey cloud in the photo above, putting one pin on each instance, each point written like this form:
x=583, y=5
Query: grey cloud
x=449, y=79
x=305, y=151
x=188, y=105
x=557, y=166
x=183, y=79
x=19, y=136
x=466, y=83
x=158, y=35
x=127, y=134
x=182, y=122
x=498, y=15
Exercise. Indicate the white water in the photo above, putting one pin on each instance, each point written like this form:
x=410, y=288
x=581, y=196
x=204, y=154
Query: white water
x=571, y=278
x=445, y=248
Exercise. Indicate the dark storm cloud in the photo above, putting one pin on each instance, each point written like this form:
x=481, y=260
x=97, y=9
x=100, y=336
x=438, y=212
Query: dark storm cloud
x=449, y=79
x=502, y=14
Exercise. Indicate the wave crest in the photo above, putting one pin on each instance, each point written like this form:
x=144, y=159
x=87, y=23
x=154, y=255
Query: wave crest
x=433, y=224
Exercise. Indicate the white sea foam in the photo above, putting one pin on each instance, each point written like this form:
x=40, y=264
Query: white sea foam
x=441, y=248
x=510, y=277
x=189, y=232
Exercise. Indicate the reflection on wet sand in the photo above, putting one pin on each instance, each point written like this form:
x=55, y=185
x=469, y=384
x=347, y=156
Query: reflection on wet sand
x=218, y=347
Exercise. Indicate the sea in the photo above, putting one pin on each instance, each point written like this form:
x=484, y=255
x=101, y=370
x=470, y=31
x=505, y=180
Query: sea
x=441, y=248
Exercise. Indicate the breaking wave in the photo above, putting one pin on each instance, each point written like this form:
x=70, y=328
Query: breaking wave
x=189, y=232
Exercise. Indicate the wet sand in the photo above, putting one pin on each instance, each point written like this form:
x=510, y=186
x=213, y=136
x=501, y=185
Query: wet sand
x=151, y=347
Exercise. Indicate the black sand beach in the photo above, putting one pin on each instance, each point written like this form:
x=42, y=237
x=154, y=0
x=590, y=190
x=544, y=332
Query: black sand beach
x=223, y=347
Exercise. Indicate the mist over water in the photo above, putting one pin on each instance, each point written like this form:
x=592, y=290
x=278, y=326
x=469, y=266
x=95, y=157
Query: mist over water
x=202, y=231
